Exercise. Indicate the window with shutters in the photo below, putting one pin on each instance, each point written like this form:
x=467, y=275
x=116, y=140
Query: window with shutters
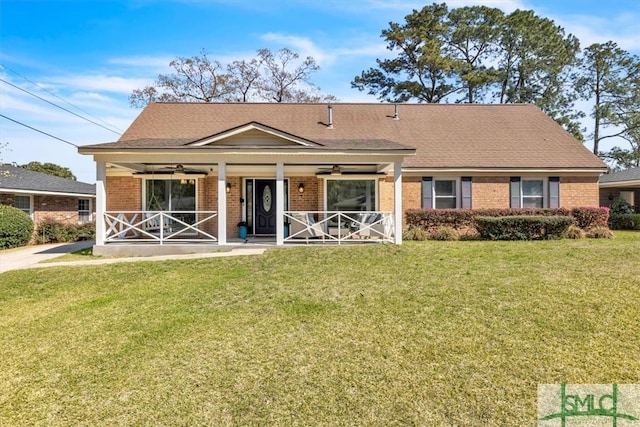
x=446, y=193
x=535, y=192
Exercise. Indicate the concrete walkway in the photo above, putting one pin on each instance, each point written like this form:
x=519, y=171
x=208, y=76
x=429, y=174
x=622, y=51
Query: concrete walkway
x=32, y=256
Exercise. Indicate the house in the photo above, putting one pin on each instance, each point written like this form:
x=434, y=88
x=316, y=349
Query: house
x=624, y=184
x=47, y=197
x=191, y=172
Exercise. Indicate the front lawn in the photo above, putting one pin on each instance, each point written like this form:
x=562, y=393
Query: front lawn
x=427, y=333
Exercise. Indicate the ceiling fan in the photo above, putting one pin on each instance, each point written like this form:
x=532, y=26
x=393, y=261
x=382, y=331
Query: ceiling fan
x=333, y=170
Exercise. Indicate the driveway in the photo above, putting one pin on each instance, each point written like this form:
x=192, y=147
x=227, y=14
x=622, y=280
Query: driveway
x=15, y=259
x=31, y=256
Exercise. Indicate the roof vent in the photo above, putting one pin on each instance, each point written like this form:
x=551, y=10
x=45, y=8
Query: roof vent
x=395, y=112
x=330, y=111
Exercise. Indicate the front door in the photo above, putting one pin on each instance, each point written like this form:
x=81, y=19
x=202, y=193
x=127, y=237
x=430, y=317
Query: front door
x=265, y=222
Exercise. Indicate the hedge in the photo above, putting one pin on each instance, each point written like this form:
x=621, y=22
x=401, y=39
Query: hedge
x=16, y=227
x=465, y=219
x=521, y=227
x=624, y=221
x=50, y=231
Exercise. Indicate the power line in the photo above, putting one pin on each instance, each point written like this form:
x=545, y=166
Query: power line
x=60, y=98
x=38, y=130
x=56, y=105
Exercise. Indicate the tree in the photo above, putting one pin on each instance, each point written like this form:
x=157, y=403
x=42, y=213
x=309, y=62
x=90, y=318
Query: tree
x=536, y=66
x=279, y=77
x=421, y=71
x=281, y=83
x=244, y=76
x=609, y=78
x=473, y=42
x=50, y=169
x=476, y=54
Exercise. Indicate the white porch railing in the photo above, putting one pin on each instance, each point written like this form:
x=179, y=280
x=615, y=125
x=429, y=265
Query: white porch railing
x=159, y=226
x=339, y=227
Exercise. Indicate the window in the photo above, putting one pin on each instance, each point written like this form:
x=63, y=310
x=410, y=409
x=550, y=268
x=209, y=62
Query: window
x=351, y=195
x=532, y=193
x=535, y=192
x=84, y=211
x=174, y=196
x=23, y=203
x=445, y=193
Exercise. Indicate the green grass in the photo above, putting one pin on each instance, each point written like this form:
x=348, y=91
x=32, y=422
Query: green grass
x=427, y=333
x=81, y=255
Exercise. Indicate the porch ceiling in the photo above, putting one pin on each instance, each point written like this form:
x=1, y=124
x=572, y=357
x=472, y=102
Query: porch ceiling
x=254, y=169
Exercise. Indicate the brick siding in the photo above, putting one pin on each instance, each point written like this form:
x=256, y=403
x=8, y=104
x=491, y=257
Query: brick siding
x=56, y=208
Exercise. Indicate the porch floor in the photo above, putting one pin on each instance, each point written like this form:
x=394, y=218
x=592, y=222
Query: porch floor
x=146, y=249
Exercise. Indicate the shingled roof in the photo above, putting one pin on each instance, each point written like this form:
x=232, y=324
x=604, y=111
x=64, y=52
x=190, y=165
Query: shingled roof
x=472, y=136
x=632, y=174
x=15, y=178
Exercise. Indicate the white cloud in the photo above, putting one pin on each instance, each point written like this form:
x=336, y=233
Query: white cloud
x=142, y=61
x=590, y=29
x=301, y=45
x=101, y=82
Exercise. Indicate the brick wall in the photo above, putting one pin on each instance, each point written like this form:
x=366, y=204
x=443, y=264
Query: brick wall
x=308, y=200
x=55, y=208
x=490, y=192
x=62, y=209
x=579, y=191
x=124, y=193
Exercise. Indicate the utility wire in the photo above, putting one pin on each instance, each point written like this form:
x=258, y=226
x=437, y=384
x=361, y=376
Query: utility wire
x=38, y=130
x=60, y=98
x=56, y=105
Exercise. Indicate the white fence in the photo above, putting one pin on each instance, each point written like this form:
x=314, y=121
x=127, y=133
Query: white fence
x=159, y=226
x=339, y=227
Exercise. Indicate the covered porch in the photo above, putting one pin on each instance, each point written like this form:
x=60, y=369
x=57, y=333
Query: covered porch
x=195, y=207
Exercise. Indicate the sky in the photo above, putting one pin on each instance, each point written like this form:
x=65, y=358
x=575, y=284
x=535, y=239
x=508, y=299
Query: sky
x=68, y=67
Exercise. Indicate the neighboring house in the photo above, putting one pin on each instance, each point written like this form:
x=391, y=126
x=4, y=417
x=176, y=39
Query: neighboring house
x=47, y=197
x=341, y=172
x=625, y=184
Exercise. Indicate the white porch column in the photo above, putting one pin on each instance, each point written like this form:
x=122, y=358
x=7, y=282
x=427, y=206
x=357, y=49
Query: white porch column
x=222, y=203
x=397, y=202
x=101, y=200
x=280, y=204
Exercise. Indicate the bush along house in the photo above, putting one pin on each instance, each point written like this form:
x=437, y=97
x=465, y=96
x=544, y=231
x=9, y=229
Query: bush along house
x=190, y=173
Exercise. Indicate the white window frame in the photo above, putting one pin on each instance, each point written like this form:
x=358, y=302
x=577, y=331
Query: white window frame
x=375, y=180
x=545, y=189
x=457, y=187
x=87, y=211
x=30, y=197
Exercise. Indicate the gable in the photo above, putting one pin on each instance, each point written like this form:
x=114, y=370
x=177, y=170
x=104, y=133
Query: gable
x=253, y=135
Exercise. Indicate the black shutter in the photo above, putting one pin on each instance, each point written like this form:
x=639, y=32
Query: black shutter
x=427, y=192
x=554, y=191
x=466, y=192
x=516, y=200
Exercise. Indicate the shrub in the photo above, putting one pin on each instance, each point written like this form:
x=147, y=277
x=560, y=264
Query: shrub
x=16, y=227
x=624, y=221
x=464, y=220
x=599, y=233
x=574, y=232
x=50, y=231
x=415, y=233
x=445, y=233
x=588, y=217
x=523, y=227
x=621, y=206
